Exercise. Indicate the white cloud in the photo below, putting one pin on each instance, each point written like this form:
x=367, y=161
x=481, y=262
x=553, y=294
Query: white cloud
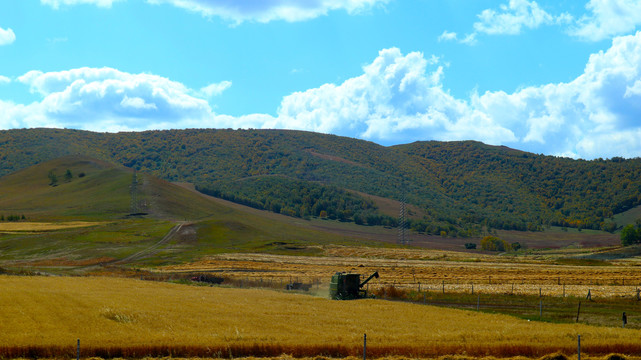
x=7, y=36
x=100, y=3
x=608, y=18
x=398, y=99
x=448, y=36
x=215, y=89
x=266, y=11
x=106, y=99
x=511, y=18
x=469, y=39
x=605, y=19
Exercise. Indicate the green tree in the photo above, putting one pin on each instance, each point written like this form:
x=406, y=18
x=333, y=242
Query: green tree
x=629, y=235
x=493, y=243
x=68, y=175
x=53, y=179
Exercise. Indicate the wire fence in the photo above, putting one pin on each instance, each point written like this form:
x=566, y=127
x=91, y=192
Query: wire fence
x=524, y=287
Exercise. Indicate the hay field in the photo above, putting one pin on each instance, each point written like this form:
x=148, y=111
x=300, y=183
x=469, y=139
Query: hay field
x=133, y=318
x=406, y=268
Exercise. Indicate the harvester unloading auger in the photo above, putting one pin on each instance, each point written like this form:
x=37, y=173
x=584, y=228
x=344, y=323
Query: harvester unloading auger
x=348, y=286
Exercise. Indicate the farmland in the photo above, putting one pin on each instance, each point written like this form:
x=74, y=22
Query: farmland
x=513, y=304
x=407, y=268
x=133, y=318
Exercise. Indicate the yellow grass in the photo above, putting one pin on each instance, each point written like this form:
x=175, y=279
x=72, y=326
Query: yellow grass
x=112, y=312
x=43, y=226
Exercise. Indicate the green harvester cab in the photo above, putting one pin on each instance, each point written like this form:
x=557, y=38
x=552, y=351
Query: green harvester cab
x=348, y=286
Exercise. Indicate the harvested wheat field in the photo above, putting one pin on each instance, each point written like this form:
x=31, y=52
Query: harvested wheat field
x=428, y=270
x=43, y=317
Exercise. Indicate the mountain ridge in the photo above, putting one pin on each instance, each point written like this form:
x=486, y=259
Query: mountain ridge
x=461, y=187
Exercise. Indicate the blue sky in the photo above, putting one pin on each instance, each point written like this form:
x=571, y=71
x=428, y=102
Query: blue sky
x=554, y=77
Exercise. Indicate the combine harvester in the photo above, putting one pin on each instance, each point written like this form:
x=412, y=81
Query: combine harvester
x=348, y=286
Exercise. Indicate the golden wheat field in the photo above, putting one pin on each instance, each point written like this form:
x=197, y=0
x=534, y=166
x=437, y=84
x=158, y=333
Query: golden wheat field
x=43, y=226
x=132, y=318
x=429, y=270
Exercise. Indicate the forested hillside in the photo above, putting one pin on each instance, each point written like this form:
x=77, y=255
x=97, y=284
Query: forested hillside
x=461, y=187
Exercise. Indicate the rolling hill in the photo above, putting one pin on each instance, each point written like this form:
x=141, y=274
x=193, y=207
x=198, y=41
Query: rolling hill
x=99, y=215
x=457, y=188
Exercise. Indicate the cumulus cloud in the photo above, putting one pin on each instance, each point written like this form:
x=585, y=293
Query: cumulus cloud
x=397, y=98
x=7, y=36
x=266, y=11
x=56, y=3
x=107, y=99
x=402, y=98
x=607, y=18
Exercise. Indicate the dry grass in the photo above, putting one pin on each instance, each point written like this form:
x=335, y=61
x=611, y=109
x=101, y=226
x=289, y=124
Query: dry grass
x=133, y=318
x=43, y=226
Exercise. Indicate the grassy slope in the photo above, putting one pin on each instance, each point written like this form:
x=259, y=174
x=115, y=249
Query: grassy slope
x=102, y=195
x=628, y=217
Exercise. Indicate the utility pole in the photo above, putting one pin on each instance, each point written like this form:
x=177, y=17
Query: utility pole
x=402, y=224
x=134, y=195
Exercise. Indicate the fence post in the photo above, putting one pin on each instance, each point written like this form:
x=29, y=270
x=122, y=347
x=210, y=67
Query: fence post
x=540, y=309
x=364, y=346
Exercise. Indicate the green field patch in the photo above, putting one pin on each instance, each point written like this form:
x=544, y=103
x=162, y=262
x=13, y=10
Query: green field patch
x=126, y=231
